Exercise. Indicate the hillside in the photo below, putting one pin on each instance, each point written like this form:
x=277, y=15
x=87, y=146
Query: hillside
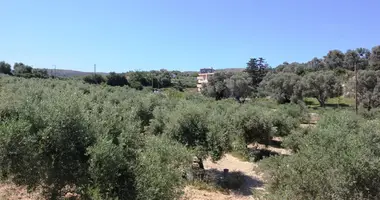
x=73, y=73
x=70, y=73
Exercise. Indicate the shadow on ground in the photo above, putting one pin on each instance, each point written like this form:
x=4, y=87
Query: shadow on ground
x=275, y=143
x=315, y=106
x=236, y=181
x=259, y=154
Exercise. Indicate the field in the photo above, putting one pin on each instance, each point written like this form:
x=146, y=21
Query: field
x=123, y=137
x=103, y=142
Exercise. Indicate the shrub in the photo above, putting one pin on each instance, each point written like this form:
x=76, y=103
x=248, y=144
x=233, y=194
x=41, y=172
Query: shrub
x=161, y=165
x=284, y=87
x=46, y=147
x=187, y=125
x=112, y=166
x=114, y=79
x=253, y=123
x=339, y=160
x=94, y=79
x=136, y=85
x=295, y=139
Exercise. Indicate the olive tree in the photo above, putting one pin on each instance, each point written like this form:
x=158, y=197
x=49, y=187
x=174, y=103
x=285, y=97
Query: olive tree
x=296, y=68
x=337, y=160
x=369, y=89
x=94, y=79
x=334, y=59
x=46, y=145
x=238, y=86
x=316, y=64
x=321, y=85
x=284, y=87
x=351, y=59
x=114, y=79
x=375, y=58
x=188, y=125
x=364, y=55
x=216, y=87
x=5, y=68
x=161, y=164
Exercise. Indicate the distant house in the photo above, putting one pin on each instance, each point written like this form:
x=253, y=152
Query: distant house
x=203, y=77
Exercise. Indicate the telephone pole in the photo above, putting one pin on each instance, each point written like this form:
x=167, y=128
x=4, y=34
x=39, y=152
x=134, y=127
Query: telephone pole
x=94, y=69
x=356, y=89
x=55, y=71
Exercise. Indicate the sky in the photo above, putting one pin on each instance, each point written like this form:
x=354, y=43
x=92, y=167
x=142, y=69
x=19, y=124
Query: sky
x=124, y=35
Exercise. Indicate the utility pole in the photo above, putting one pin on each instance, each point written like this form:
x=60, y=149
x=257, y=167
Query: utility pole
x=158, y=84
x=356, y=89
x=55, y=71
x=152, y=83
x=94, y=69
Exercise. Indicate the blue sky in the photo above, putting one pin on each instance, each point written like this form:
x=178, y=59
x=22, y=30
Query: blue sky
x=123, y=35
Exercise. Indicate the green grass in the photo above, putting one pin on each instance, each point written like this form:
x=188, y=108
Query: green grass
x=333, y=102
x=342, y=100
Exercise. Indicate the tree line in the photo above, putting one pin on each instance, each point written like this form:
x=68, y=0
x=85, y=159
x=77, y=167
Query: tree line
x=291, y=82
x=22, y=70
x=134, y=79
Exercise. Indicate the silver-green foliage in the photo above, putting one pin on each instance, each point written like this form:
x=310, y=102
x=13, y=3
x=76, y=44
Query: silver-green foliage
x=340, y=159
x=321, y=85
x=283, y=86
x=369, y=88
x=119, y=143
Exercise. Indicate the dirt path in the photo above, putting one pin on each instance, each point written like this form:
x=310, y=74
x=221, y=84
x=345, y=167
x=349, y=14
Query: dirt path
x=252, y=180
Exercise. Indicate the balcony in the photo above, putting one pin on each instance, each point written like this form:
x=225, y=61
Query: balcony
x=202, y=81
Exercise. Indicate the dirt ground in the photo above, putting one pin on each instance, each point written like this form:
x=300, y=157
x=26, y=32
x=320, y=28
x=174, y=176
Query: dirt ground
x=253, y=181
x=9, y=191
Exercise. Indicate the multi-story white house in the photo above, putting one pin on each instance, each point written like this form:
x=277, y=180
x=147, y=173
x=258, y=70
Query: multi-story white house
x=203, y=77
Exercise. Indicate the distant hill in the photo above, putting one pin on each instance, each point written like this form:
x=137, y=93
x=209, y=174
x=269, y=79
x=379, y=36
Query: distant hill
x=221, y=70
x=70, y=73
x=231, y=69
x=73, y=73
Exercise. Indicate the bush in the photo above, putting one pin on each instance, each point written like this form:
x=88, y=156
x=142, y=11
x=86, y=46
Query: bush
x=284, y=87
x=114, y=79
x=339, y=160
x=161, y=165
x=94, y=79
x=294, y=140
x=136, y=85
x=370, y=114
x=253, y=123
x=287, y=118
x=187, y=125
x=46, y=146
x=112, y=166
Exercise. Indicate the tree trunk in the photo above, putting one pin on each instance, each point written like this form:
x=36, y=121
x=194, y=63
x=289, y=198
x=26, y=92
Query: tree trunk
x=321, y=103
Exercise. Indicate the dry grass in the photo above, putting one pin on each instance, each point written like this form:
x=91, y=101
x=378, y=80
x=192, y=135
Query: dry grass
x=9, y=191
